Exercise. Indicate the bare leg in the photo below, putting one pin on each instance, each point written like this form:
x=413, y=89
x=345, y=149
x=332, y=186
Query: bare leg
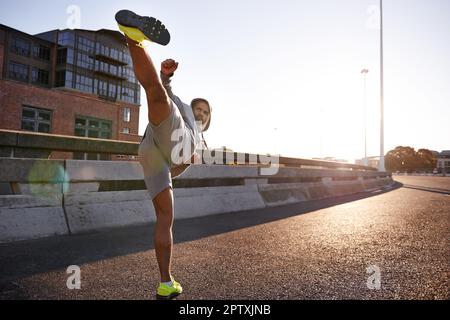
x=159, y=107
x=163, y=204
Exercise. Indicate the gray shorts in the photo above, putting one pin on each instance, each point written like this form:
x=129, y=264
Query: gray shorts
x=156, y=148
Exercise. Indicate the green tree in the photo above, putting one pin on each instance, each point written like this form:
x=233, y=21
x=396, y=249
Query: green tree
x=402, y=159
x=427, y=159
x=406, y=159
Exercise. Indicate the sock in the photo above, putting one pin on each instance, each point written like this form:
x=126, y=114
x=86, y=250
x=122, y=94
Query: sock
x=169, y=284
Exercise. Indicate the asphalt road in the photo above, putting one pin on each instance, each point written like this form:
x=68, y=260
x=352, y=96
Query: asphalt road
x=316, y=250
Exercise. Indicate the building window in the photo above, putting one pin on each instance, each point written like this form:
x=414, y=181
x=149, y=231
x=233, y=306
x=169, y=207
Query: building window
x=113, y=69
x=64, y=56
x=126, y=115
x=85, y=61
x=20, y=46
x=60, y=80
x=102, y=50
x=101, y=66
x=61, y=56
x=126, y=130
x=128, y=73
x=37, y=120
x=18, y=71
x=64, y=79
x=92, y=128
x=66, y=39
x=127, y=58
x=115, y=54
x=109, y=52
x=105, y=89
x=112, y=90
x=106, y=67
x=128, y=94
x=85, y=45
x=39, y=76
x=83, y=83
x=41, y=52
x=102, y=88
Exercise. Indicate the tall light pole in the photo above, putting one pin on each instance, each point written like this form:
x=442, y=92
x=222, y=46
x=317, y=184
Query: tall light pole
x=381, y=164
x=365, y=72
x=276, y=140
x=321, y=134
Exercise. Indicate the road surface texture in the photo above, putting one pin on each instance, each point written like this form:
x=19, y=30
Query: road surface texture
x=327, y=249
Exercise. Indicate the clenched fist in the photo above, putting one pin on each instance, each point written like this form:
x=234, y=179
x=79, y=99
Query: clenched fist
x=169, y=66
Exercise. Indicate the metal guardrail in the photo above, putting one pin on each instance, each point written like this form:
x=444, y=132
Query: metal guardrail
x=11, y=140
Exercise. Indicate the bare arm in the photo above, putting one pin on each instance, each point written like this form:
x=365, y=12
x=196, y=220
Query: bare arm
x=168, y=68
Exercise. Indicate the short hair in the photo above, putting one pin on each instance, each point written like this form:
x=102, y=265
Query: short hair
x=198, y=100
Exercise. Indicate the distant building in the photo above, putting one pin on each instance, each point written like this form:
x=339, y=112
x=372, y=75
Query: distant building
x=69, y=82
x=373, y=162
x=443, y=162
x=331, y=159
x=434, y=153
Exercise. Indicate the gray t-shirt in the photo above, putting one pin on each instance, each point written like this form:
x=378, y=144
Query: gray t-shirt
x=185, y=111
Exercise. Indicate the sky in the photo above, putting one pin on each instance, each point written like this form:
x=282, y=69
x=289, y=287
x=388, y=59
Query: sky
x=284, y=77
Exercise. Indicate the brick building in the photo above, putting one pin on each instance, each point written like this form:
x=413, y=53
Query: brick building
x=69, y=82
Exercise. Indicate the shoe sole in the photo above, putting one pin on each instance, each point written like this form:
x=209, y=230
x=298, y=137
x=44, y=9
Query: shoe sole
x=169, y=297
x=152, y=28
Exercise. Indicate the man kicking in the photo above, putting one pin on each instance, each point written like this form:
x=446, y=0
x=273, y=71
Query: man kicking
x=168, y=117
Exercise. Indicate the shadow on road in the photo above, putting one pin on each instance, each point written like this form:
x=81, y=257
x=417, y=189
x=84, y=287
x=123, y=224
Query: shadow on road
x=22, y=259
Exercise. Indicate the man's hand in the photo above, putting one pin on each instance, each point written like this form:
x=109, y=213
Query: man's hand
x=169, y=66
x=179, y=169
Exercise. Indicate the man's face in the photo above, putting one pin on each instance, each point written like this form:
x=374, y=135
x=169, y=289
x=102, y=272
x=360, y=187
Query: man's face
x=201, y=112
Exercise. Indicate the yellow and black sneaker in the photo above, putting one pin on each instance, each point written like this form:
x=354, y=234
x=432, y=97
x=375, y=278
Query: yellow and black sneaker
x=165, y=292
x=142, y=29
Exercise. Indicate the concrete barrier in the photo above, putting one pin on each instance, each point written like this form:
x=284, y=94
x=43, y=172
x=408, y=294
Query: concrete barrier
x=34, y=207
x=88, y=171
x=88, y=210
x=99, y=210
x=219, y=172
x=69, y=197
x=197, y=202
x=339, y=188
x=28, y=217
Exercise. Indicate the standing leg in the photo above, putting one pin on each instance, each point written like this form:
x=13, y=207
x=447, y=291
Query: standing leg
x=163, y=204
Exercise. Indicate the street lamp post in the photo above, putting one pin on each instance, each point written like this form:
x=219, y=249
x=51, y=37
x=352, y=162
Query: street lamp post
x=365, y=72
x=381, y=164
x=275, y=140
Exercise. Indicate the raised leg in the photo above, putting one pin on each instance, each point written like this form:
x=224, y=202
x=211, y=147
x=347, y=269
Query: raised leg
x=159, y=107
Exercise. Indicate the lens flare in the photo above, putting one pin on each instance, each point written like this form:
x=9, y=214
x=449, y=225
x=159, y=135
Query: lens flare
x=45, y=179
